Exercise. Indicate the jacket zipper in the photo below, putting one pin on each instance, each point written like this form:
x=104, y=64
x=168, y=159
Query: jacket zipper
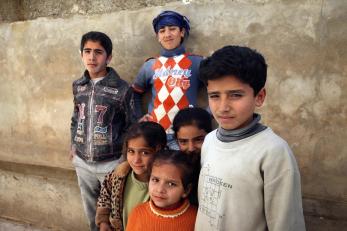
x=90, y=133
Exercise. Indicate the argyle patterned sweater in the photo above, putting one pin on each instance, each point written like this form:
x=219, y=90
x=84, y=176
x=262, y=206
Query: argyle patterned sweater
x=173, y=80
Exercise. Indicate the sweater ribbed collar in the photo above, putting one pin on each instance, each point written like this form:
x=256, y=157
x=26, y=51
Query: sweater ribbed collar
x=166, y=213
x=233, y=135
x=174, y=52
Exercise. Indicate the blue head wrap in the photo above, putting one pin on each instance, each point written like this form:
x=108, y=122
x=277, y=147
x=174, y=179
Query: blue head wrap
x=171, y=18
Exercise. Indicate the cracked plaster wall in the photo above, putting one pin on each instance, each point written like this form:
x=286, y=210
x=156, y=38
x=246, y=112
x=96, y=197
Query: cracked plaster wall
x=304, y=42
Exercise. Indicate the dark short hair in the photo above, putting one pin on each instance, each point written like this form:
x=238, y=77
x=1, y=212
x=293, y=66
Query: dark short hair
x=178, y=158
x=192, y=116
x=100, y=37
x=153, y=133
x=243, y=63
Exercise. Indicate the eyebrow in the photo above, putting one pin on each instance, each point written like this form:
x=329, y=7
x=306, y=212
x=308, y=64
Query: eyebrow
x=140, y=149
x=195, y=137
x=198, y=137
x=89, y=49
x=228, y=91
x=167, y=180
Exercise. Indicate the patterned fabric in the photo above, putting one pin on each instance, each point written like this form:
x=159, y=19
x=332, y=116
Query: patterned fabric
x=102, y=113
x=171, y=83
x=173, y=80
x=110, y=202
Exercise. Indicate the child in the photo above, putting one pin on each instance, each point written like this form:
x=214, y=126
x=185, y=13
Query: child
x=102, y=112
x=127, y=186
x=169, y=186
x=249, y=178
x=191, y=125
x=172, y=77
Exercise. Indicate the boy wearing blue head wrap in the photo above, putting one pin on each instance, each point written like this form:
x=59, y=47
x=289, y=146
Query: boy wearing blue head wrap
x=172, y=77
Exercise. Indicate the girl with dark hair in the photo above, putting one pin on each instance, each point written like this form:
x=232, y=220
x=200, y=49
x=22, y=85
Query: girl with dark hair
x=190, y=127
x=127, y=185
x=169, y=186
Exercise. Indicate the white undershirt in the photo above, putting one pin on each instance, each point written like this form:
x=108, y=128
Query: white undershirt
x=95, y=80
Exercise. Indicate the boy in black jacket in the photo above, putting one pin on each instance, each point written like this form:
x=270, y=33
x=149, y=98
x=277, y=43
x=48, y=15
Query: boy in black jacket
x=103, y=109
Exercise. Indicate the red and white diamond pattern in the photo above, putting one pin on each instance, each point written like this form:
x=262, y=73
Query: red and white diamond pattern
x=170, y=96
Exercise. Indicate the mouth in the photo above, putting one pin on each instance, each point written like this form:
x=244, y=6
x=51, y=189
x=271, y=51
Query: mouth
x=226, y=117
x=168, y=40
x=137, y=166
x=158, y=198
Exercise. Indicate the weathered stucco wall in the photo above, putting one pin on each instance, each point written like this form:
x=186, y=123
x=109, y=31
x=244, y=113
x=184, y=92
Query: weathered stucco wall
x=304, y=42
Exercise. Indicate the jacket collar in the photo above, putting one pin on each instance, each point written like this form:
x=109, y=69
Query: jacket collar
x=111, y=78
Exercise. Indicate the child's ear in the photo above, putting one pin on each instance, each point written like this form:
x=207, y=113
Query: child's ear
x=187, y=191
x=183, y=32
x=108, y=60
x=260, y=97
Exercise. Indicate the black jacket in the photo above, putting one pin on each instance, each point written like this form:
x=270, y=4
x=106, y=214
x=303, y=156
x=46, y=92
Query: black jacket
x=102, y=113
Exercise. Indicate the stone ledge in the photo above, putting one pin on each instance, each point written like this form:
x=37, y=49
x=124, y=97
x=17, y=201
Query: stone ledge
x=39, y=170
x=325, y=209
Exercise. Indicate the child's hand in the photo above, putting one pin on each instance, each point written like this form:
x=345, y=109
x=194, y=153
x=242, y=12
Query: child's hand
x=146, y=117
x=105, y=227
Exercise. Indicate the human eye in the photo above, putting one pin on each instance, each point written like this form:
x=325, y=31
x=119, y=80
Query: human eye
x=213, y=96
x=161, y=31
x=182, y=141
x=145, y=153
x=235, y=95
x=199, y=139
x=86, y=51
x=130, y=151
x=171, y=184
x=99, y=52
x=154, y=179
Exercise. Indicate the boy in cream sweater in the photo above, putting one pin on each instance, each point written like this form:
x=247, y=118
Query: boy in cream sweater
x=249, y=179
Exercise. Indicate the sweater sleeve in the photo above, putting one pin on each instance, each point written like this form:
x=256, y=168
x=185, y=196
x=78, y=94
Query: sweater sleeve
x=282, y=192
x=140, y=86
x=143, y=79
x=103, y=207
x=129, y=108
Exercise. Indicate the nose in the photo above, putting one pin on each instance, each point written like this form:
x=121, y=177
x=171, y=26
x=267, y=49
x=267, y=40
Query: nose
x=137, y=158
x=191, y=146
x=92, y=55
x=224, y=104
x=167, y=33
x=160, y=188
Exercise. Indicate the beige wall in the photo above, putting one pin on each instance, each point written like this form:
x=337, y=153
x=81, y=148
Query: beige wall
x=304, y=42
